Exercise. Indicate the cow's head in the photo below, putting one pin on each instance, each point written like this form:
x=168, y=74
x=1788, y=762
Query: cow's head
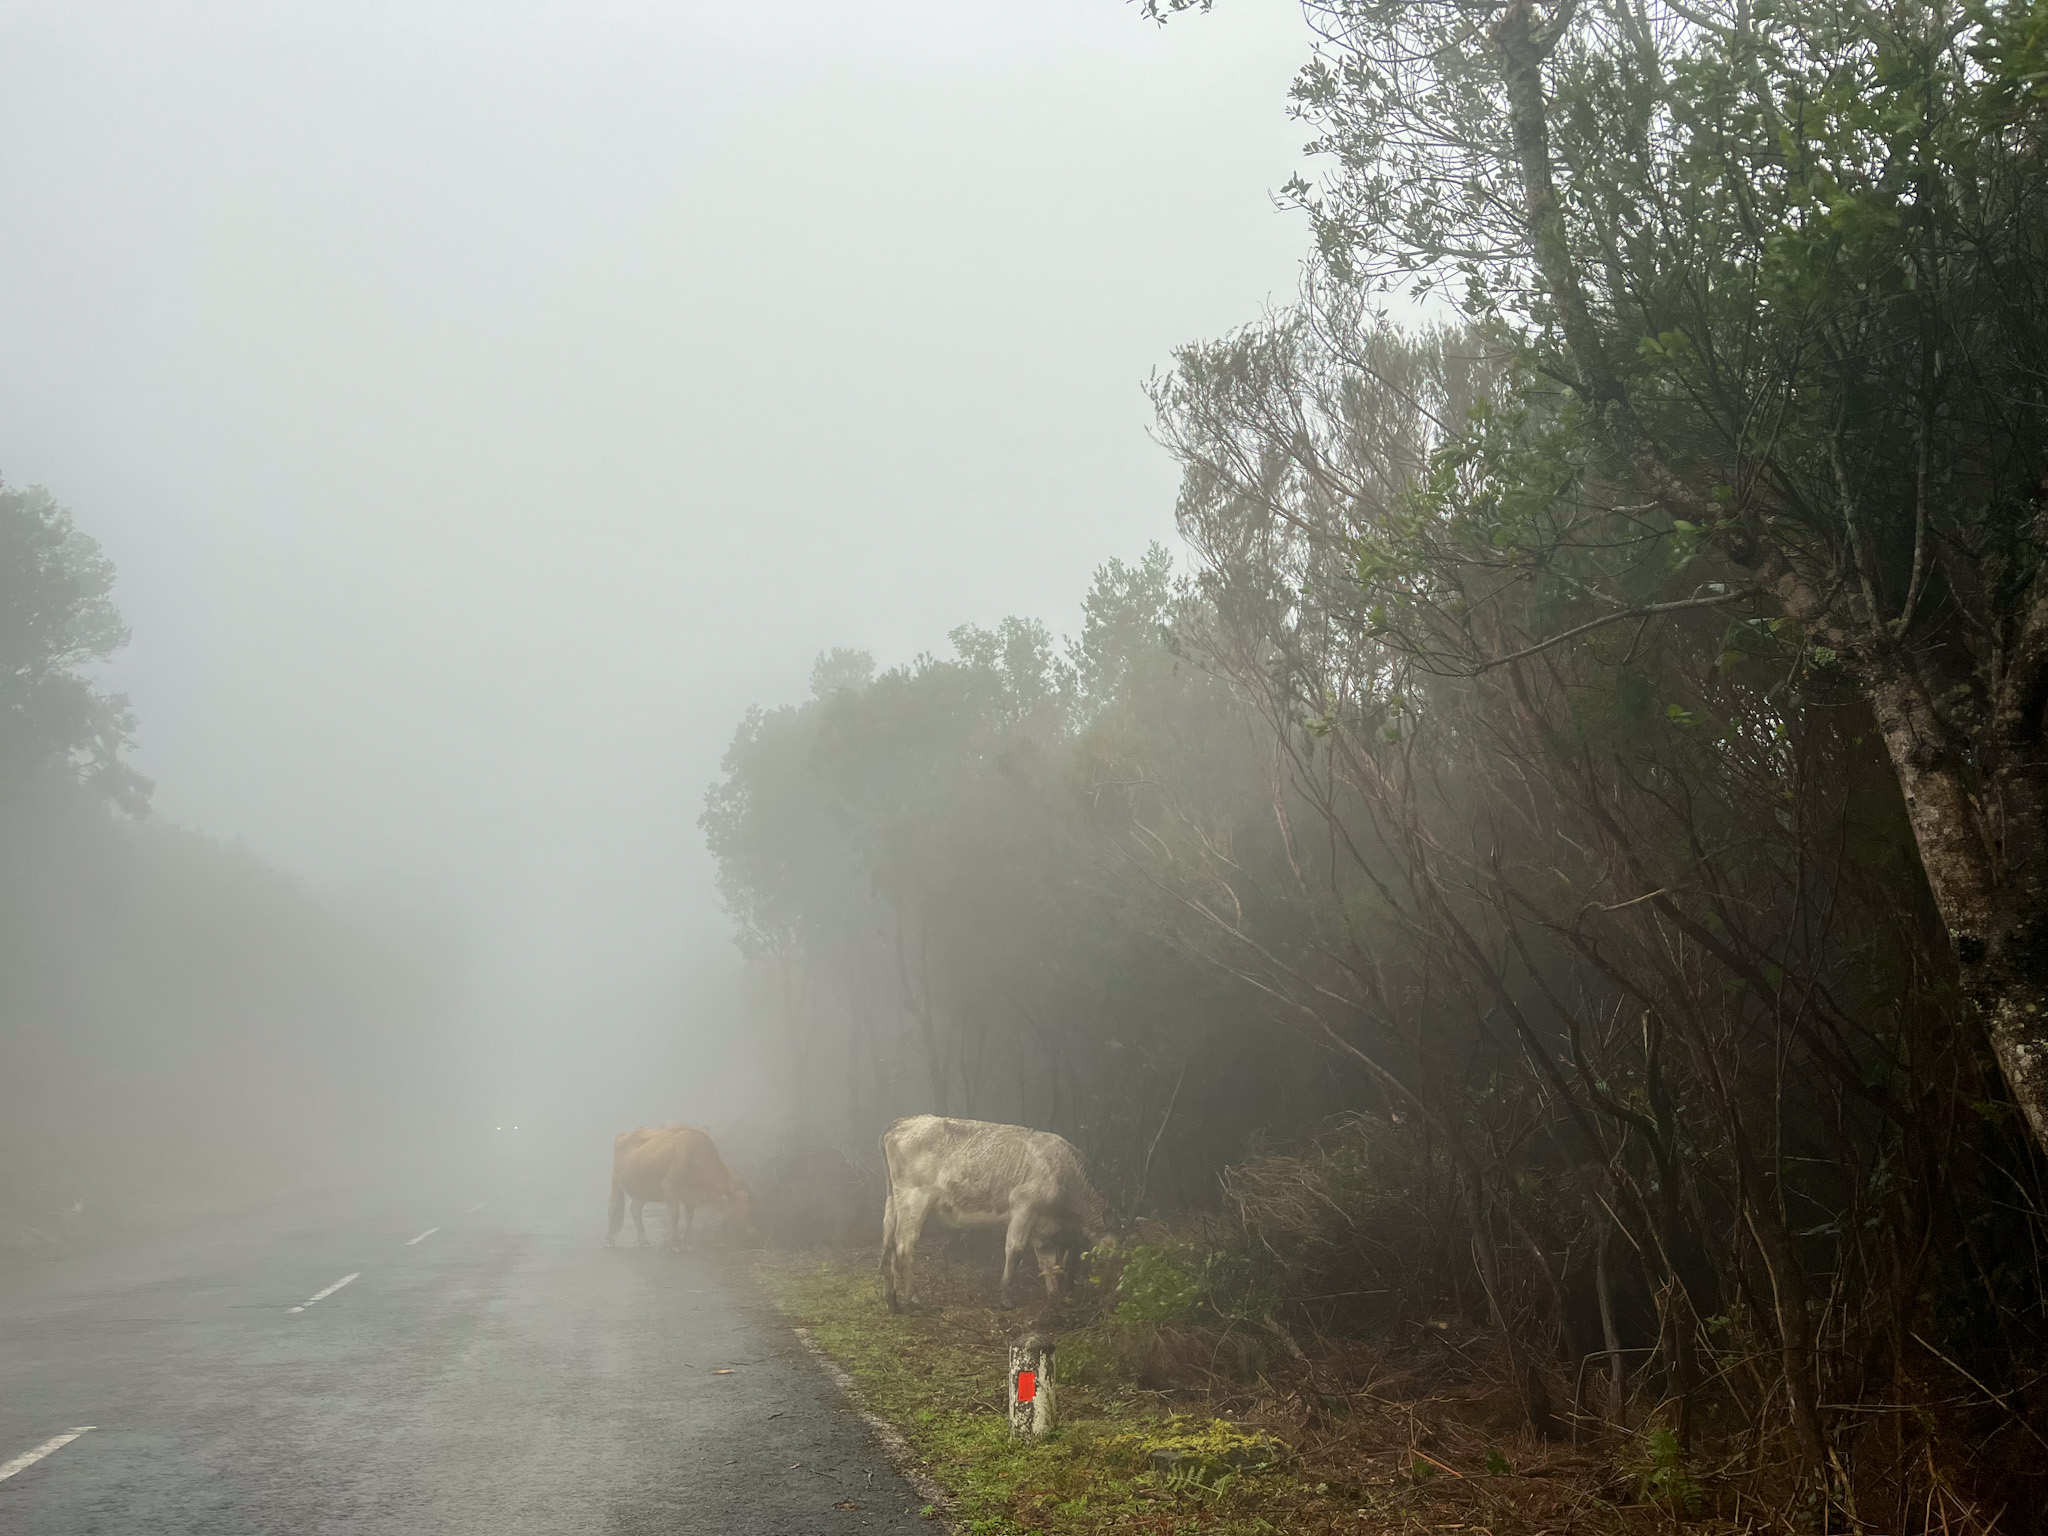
x=1079, y=1249
x=1110, y=1228
x=738, y=1205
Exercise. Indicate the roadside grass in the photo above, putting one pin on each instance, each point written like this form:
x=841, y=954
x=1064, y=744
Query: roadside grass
x=1366, y=1437
x=939, y=1375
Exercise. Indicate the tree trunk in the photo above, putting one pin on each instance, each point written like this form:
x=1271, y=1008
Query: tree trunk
x=921, y=1009
x=1522, y=49
x=1983, y=863
x=1610, y=1332
x=798, y=1039
x=1795, y=1326
x=1528, y=1379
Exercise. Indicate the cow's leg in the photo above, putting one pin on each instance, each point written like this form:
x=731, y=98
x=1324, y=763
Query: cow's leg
x=675, y=1225
x=889, y=1250
x=617, y=1214
x=1051, y=1256
x=640, y=1221
x=910, y=1213
x=1015, y=1241
x=689, y=1221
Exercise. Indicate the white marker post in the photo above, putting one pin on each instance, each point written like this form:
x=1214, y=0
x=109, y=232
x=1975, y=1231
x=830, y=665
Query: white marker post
x=1031, y=1390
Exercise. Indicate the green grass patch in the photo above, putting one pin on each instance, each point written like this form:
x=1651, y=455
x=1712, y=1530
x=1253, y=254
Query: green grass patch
x=939, y=1375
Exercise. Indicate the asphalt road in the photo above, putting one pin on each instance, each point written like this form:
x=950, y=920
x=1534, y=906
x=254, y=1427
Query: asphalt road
x=505, y=1374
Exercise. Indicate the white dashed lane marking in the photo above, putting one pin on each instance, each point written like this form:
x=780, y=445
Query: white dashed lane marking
x=29, y=1458
x=323, y=1295
x=421, y=1238
x=477, y=1207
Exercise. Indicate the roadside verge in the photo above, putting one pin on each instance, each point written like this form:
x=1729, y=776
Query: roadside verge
x=931, y=1383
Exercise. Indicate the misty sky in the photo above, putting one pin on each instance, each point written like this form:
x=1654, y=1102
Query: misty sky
x=485, y=403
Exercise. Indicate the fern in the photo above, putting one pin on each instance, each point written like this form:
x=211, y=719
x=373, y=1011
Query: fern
x=1663, y=1479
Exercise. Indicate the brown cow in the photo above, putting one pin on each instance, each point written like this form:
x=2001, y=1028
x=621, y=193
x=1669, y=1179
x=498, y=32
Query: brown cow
x=676, y=1166
x=972, y=1173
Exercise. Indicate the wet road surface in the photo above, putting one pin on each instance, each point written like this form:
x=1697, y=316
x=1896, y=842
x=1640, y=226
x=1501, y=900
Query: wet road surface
x=504, y=1373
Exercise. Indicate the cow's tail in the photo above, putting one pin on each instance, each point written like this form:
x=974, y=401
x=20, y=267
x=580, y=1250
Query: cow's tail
x=888, y=1206
x=888, y=1262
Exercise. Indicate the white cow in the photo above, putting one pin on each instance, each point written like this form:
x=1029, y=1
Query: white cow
x=972, y=1173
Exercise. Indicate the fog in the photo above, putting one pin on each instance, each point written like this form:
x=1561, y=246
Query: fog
x=1261, y=606
x=484, y=405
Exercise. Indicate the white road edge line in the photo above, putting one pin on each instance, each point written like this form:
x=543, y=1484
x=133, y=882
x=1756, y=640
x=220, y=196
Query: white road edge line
x=323, y=1295
x=894, y=1446
x=477, y=1207
x=420, y=1239
x=28, y=1459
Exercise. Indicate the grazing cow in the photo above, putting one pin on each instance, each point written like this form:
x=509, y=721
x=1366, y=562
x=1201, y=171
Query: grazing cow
x=971, y=1173
x=676, y=1166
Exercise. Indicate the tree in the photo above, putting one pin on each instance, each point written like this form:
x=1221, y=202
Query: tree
x=1607, y=951
x=1517, y=772
x=1603, y=894
x=1785, y=266
x=57, y=618
x=160, y=992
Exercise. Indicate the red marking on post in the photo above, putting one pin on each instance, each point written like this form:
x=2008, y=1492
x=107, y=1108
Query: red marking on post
x=1027, y=1386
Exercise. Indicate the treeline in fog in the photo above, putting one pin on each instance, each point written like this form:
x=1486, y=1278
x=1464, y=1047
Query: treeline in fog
x=1566, y=849
x=182, y=1027
x=946, y=872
